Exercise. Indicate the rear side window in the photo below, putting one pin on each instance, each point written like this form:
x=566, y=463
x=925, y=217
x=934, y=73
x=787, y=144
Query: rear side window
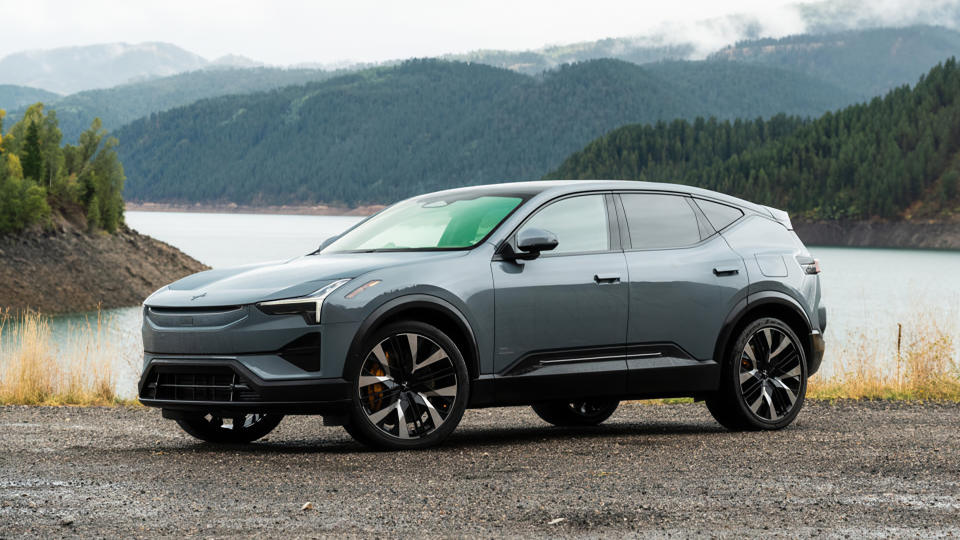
x=580, y=224
x=720, y=215
x=660, y=221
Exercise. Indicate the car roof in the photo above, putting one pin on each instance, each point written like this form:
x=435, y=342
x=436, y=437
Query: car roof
x=554, y=188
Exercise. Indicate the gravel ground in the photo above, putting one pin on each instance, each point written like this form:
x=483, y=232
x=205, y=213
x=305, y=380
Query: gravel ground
x=876, y=469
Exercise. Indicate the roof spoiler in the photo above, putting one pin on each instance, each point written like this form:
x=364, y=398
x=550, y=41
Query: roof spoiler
x=780, y=216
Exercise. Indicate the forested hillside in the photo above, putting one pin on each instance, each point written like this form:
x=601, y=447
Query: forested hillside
x=894, y=157
x=13, y=96
x=867, y=63
x=861, y=64
x=385, y=133
x=125, y=103
x=39, y=178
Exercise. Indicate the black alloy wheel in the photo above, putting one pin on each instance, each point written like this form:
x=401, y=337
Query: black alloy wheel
x=411, y=388
x=764, y=380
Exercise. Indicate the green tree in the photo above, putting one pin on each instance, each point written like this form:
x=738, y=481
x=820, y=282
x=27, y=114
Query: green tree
x=948, y=185
x=38, y=177
x=32, y=153
x=93, y=214
x=3, y=114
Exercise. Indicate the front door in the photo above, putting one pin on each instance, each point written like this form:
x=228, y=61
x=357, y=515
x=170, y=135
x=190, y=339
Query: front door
x=561, y=319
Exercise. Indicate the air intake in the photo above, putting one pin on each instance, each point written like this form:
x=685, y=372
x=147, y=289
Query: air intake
x=220, y=384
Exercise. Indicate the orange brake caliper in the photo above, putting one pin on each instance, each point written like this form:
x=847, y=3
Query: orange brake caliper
x=375, y=393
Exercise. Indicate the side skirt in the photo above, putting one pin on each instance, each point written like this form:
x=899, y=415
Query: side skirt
x=644, y=371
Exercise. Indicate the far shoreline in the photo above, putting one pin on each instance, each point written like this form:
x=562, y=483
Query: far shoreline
x=233, y=208
x=940, y=234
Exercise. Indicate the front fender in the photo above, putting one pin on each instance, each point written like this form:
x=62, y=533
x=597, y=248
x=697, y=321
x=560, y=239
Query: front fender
x=398, y=305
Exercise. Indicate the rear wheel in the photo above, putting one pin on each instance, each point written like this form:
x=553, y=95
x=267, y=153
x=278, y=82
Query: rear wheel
x=410, y=389
x=576, y=413
x=764, y=380
x=240, y=429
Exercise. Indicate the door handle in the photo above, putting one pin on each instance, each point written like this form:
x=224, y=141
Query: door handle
x=725, y=271
x=602, y=279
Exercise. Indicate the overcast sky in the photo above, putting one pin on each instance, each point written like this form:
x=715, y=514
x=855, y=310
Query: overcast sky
x=295, y=31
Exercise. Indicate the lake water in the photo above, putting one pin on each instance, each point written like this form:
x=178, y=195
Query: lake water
x=867, y=291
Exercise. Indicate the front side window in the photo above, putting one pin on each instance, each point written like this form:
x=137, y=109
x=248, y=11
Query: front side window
x=452, y=222
x=660, y=221
x=580, y=224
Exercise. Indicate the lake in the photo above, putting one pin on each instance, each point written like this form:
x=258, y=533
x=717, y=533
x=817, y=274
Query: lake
x=867, y=291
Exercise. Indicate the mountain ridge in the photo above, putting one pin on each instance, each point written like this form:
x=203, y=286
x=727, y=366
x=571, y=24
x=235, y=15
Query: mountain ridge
x=66, y=70
x=125, y=103
x=14, y=96
x=381, y=134
x=866, y=62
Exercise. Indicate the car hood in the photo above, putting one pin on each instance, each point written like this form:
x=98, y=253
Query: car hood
x=273, y=280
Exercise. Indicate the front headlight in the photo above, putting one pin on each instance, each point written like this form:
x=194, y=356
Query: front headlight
x=308, y=306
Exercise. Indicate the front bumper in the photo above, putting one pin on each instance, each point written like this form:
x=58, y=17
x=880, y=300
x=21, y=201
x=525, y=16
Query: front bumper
x=237, y=358
x=226, y=385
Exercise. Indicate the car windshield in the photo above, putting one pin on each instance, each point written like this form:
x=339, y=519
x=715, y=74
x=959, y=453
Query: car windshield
x=452, y=222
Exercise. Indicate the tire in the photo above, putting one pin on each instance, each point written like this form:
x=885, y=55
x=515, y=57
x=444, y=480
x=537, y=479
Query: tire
x=763, y=380
x=576, y=413
x=243, y=428
x=409, y=389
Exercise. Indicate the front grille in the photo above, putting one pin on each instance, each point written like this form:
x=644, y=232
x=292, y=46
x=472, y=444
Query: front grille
x=189, y=383
x=195, y=317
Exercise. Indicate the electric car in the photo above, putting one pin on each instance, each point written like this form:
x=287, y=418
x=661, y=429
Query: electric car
x=568, y=296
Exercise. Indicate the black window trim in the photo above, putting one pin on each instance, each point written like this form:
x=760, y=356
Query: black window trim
x=743, y=212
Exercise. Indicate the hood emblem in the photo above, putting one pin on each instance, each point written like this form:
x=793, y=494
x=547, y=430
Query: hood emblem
x=201, y=295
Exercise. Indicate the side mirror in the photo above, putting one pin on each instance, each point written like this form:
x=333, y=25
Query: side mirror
x=532, y=241
x=329, y=241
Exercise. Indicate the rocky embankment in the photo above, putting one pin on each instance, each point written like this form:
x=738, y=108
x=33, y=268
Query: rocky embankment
x=896, y=234
x=67, y=270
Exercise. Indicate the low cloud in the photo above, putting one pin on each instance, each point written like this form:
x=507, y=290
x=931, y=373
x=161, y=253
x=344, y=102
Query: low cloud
x=710, y=35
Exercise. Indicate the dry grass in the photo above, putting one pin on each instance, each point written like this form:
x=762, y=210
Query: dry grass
x=36, y=371
x=923, y=366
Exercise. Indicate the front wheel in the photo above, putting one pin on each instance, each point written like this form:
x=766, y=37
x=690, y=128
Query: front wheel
x=764, y=379
x=410, y=389
x=576, y=413
x=241, y=429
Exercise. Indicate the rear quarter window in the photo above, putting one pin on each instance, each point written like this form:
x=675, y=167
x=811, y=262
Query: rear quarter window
x=720, y=215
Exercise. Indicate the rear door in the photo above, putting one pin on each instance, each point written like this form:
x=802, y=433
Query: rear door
x=684, y=280
x=561, y=319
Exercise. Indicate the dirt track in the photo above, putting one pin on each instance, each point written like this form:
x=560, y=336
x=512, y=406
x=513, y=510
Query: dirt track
x=656, y=470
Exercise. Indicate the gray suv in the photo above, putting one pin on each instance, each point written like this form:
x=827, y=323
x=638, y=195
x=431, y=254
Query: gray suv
x=566, y=296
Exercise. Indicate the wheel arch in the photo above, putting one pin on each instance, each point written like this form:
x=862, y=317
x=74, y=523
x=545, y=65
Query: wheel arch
x=765, y=304
x=432, y=310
